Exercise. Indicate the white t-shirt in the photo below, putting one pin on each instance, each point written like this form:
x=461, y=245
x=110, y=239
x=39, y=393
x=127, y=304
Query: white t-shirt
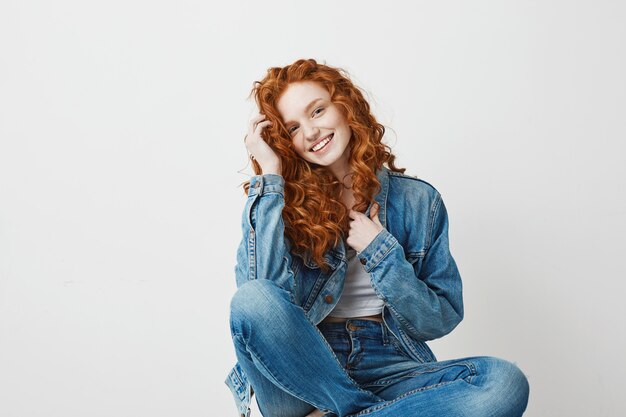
x=358, y=297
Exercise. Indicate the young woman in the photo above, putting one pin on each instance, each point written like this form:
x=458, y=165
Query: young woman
x=344, y=269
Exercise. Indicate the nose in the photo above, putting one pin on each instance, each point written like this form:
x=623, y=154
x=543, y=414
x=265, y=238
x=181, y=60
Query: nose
x=311, y=132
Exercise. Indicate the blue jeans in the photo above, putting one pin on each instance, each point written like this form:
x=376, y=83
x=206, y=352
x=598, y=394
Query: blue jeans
x=357, y=368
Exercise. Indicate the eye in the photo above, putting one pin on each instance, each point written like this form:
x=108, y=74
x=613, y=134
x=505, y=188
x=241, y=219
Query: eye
x=292, y=129
x=318, y=110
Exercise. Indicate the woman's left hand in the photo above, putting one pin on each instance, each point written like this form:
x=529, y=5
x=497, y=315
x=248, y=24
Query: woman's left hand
x=363, y=229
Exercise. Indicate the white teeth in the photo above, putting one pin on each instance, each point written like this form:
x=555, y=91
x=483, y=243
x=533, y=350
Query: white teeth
x=320, y=145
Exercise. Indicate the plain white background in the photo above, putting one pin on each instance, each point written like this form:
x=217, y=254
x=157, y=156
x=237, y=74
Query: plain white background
x=121, y=127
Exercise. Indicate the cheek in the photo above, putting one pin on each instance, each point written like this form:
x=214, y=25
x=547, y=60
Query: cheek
x=299, y=148
x=340, y=121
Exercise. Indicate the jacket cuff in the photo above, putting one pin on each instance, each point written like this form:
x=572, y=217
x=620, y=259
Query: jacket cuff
x=377, y=250
x=266, y=183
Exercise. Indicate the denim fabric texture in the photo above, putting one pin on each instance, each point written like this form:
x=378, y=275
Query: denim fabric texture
x=367, y=367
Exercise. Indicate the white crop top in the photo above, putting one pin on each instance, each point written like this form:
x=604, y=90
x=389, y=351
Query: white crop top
x=358, y=297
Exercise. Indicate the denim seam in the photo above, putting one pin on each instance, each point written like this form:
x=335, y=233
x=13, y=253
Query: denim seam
x=288, y=388
x=284, y=386
x=384, y=335
x=381, y=256
x=294, y=271
x=413, y=257
x=434, y=211
x=292, y=297
x=235, y=375
x=252, y=255
x=410, y=326
x=270, y=192
x=317, y=287
x=405, y=323
x=387, y=403
x=322, y=285
x=468, y=365
x=411, y=347
x=401, y=351
x=242, y=404
x=248, y=210
x=340, y=366
x=385, y=322
x=389, y=340
x=400, y=318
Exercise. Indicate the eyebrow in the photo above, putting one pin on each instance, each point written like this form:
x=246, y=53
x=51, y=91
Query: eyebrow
x=307, y=108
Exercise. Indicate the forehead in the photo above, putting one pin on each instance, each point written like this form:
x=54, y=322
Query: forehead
x=297, y=97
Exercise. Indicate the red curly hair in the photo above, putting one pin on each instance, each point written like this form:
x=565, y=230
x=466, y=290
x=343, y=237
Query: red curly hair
x=314, y=216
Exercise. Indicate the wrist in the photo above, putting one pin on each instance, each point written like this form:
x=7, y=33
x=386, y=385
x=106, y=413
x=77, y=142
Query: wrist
x=272, y=169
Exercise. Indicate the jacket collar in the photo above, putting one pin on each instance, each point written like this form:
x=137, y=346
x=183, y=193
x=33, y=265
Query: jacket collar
x=381, y=197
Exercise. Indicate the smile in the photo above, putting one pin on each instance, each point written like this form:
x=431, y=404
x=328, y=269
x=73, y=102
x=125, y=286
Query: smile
x=322, y=144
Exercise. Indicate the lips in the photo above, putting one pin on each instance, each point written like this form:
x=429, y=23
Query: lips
x=321, y=140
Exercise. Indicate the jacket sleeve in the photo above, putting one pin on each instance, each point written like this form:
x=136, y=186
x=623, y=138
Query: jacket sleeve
x=263, y=252
x=427, y=300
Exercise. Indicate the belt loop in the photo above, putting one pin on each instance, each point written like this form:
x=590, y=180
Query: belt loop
x=384, y=334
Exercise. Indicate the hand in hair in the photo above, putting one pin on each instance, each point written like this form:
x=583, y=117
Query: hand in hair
x=258, y=149
x=363, y=229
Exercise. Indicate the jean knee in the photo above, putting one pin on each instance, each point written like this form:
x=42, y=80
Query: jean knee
x=520, y=386
x=508, y=387
x=256, y=301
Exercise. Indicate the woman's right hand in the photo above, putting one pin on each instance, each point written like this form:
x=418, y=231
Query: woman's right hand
x=258, y=148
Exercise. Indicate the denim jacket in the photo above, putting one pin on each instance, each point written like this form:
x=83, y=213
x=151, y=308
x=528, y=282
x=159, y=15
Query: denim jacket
x=409, y=262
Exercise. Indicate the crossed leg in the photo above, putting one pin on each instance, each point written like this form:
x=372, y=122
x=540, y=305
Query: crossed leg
x=295, y=371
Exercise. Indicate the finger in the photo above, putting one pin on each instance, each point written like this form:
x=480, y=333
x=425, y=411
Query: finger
x=257, y=117
x=374, y=211
x=255, y=130
x=255, y=120
x=259, y=127
x=375, y=217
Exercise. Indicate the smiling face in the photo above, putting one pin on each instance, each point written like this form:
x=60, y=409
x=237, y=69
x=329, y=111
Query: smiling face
x=319, y=131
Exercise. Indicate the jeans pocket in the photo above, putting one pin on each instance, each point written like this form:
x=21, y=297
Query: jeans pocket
x=391, y=340
x=415, y=350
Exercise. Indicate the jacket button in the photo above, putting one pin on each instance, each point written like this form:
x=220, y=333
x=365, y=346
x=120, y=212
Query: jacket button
x=363, y=261
x=328, y=298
